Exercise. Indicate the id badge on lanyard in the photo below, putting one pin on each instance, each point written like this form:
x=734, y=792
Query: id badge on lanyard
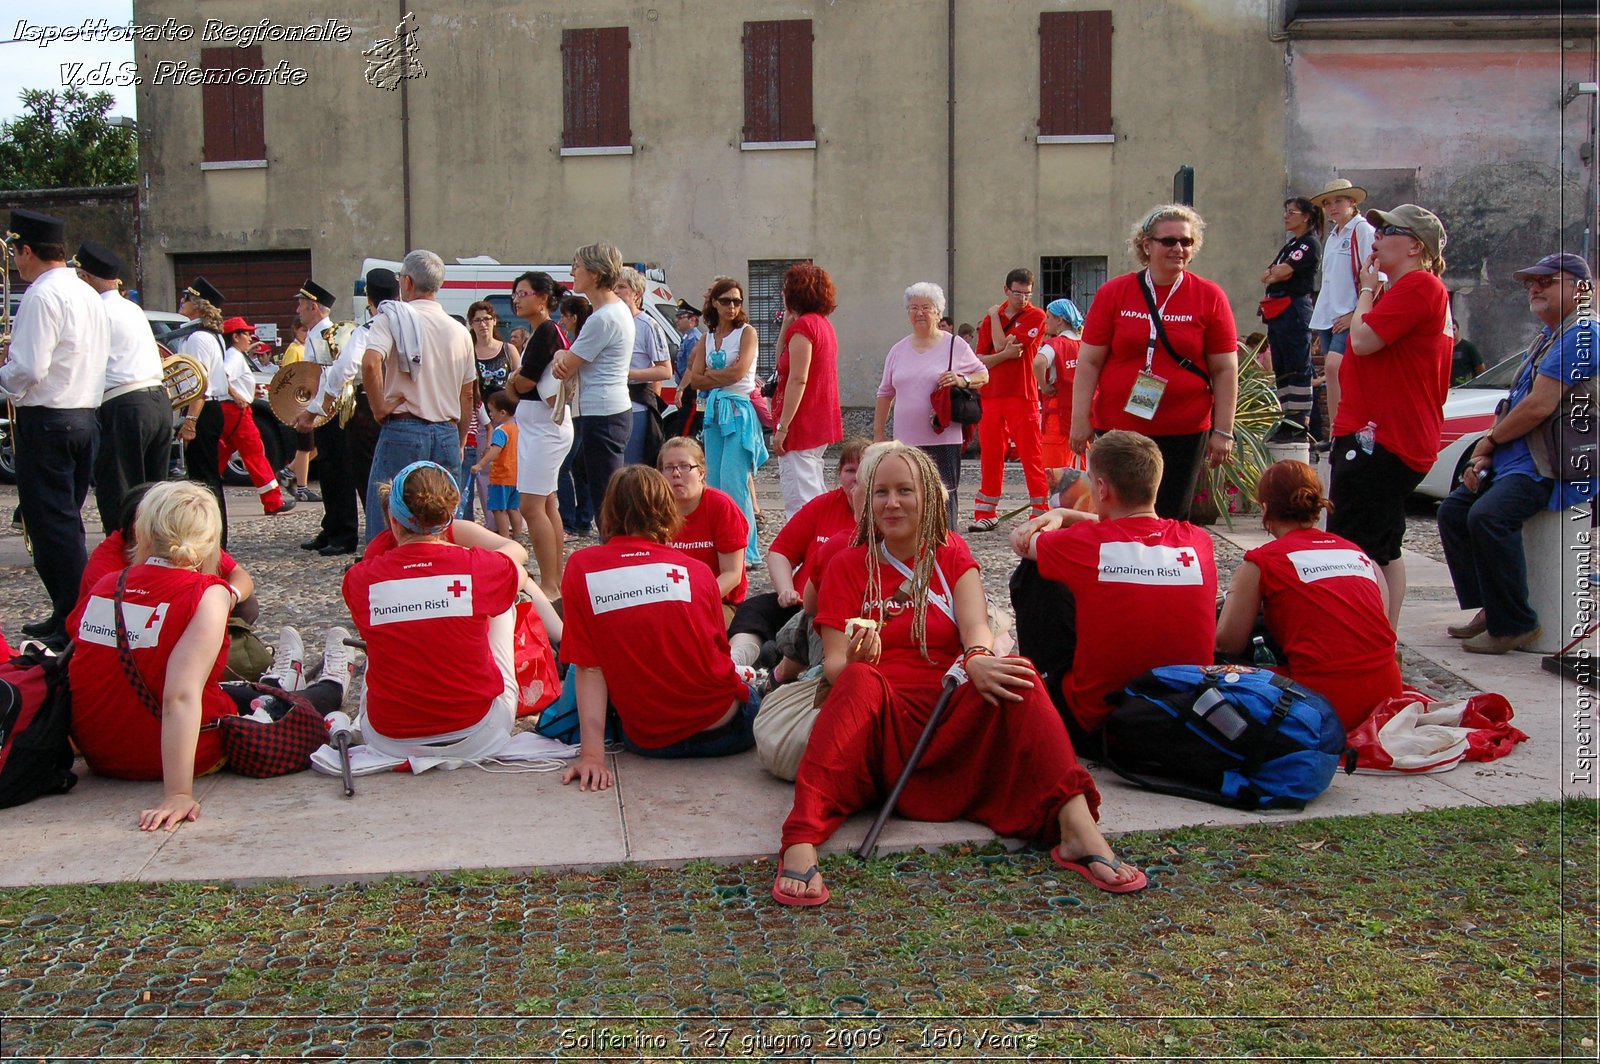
x=1148, y=387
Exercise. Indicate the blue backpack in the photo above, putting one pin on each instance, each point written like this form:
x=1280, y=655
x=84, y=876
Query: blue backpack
x=1226, y=734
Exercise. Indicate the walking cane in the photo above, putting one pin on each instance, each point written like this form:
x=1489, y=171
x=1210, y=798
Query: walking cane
x=954, y=678
x=339, y=725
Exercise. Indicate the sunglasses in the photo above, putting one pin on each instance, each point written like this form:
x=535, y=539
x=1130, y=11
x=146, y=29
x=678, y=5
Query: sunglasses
x=1396, y=230
x=1174, y=241
x=730, y=301
x=1541, y=282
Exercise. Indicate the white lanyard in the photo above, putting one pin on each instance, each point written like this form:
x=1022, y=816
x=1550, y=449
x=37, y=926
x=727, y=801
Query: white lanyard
x=941, y=601
x=1160, y=314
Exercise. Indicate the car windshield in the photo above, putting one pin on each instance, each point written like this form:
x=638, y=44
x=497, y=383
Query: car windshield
x=1500, y=376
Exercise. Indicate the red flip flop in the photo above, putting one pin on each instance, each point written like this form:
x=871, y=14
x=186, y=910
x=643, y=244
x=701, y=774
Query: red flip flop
x=1081, y=866
x=804, y=877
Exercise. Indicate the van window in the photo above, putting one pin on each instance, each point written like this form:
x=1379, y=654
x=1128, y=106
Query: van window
x=508, y=318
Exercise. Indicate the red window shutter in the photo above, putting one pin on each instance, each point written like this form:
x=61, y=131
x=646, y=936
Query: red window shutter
x=1074, y=72
x=232, y=116
x=777, y=81
x=761, y=81
x=794, y=80
x=594, y=88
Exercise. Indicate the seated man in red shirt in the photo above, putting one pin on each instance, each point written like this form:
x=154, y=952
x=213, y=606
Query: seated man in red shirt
x=1144, y=587
x=644, y=629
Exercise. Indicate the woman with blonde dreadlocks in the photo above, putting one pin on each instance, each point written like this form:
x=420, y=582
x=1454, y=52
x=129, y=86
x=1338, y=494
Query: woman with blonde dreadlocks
x=896, y=610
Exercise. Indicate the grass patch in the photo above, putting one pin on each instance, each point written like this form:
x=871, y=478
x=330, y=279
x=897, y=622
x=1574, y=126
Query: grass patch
x=1451, y=933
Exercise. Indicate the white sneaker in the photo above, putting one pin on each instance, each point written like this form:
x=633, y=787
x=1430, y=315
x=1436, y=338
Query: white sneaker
x=984, y=524
x=289, y=660
x=338, y=660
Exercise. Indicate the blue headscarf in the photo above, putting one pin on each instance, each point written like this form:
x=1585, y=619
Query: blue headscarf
x=397, y=499
x=1067, y=311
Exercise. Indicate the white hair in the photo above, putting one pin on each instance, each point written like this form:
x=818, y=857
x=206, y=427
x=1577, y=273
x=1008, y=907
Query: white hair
x=927, y=290
x=425, y=269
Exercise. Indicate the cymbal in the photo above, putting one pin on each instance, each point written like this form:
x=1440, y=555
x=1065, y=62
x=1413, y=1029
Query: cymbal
x=292, y=389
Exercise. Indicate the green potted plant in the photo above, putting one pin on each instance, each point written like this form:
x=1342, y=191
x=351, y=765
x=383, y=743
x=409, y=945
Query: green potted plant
x=1255, y=416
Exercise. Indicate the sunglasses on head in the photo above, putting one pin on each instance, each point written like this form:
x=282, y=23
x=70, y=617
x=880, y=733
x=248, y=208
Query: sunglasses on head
x=1174, y=241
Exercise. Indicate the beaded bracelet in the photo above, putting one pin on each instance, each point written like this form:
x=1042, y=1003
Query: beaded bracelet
x=975, y=652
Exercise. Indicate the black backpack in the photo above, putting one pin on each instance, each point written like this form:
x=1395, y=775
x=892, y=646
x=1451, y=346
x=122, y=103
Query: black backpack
x=1226, y=734
x=35, y=719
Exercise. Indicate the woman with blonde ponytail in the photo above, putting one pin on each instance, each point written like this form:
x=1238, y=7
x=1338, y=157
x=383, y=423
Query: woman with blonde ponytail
x=896, y=611
x=1324, y=599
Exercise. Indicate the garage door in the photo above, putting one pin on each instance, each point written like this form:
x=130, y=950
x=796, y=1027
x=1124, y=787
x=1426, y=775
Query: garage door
x=260, y=285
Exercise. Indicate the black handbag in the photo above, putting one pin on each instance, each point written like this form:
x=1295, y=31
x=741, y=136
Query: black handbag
x=966, y=405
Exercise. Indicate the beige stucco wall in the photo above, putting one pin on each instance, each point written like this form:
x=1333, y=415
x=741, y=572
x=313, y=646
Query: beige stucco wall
x=1194, y=81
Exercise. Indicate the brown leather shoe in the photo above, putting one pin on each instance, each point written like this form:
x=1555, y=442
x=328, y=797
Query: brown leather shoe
x=1477, y=626
x=1485, y=643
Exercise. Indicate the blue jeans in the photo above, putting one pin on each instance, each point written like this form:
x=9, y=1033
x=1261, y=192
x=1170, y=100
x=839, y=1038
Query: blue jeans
x=735, y=737
x=638, y=428
x=1482, y=536
x=465, y=480
x=399, y=444
x=601, y=439
x=572, y=488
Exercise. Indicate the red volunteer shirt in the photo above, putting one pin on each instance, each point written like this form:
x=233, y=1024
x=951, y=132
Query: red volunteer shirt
x=1146, y=589
x=819, y=420
x=1198, y=321
x=1013, y=379
x=424, y=611
x=111, y=556
x=825, y=552
x=1064, y=351
x=844, y=595
x=649, y=618
x=1401, y=387
x=1322, y=603
x=118, y=736
x=717, y=526
x=384, y=541
x=812, y=523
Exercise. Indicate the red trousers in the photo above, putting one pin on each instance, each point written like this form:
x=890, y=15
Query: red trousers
x=1006, y=420
x=239, y=433
x=1010, y=768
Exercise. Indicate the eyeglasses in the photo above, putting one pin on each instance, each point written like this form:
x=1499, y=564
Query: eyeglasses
x=522, y=293
x=1396, y=230
x=1024, y=293
x=1293, y=210
x=481, y=320
x=730, y=301
x=1174, y=241
x=1541, y=283
x=679, y=468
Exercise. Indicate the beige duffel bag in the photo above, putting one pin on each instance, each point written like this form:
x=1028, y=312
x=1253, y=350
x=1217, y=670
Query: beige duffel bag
x=783, y=727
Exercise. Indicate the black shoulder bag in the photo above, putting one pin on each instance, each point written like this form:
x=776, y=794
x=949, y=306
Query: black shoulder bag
x=1161, y=334
x=966, y=405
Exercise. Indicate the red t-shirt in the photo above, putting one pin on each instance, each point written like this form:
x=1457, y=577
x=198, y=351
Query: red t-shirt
x=424, y=611
x=717, y=526
x=1146, y=589
x=1198, y=321
x=118, y=736
x=1064, y=351
x=1013, y=379
x=1401, y=387
x=814, y=522
x=111, y=556
x=384, y=542
x=820, y=420
x=843, y=596
x=826, y=551
x=649, y=618
x=1322, y=603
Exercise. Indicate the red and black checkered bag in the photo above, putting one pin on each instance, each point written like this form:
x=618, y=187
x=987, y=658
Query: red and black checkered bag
x=253, y=748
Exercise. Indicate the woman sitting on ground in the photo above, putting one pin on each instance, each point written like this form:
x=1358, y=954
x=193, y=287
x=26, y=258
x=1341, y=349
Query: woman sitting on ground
x=1325, y=600
x=645, y=632
x=1010, y=767
x=162, y=725
x=714, y=529
x=438, y=619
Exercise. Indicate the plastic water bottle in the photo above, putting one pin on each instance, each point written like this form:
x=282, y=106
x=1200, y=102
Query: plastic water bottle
x=1367, y=438
x=1260, y=654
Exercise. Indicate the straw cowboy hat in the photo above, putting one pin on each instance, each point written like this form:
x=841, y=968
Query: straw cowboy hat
x=1340, y=187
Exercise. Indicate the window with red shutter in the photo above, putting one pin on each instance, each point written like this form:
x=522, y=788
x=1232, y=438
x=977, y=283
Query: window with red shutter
x=594, y=91
x=777, y=84
x=1075, y=77
x=234, y=124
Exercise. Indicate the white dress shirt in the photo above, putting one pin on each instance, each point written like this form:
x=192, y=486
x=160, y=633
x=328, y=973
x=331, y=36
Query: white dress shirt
x=205, y=347
x=135, y=360
x=345, y=368
x=58, y=344
x=316, y=347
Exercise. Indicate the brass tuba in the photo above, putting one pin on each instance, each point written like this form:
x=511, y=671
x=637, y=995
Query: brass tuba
x=183, y=376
